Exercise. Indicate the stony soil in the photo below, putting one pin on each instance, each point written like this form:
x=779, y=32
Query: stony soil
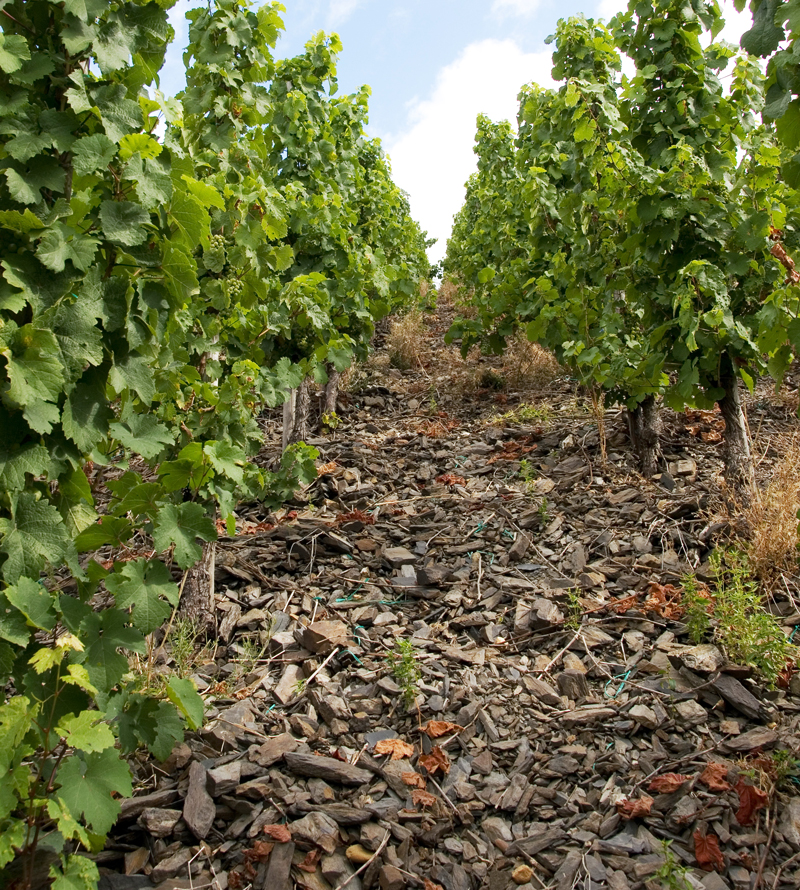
x=563, y=727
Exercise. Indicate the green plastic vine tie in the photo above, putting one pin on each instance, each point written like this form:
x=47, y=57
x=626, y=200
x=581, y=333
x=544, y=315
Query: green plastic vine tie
x=625, y=677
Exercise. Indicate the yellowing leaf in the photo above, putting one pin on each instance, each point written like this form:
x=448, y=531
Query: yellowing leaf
x=396, y=747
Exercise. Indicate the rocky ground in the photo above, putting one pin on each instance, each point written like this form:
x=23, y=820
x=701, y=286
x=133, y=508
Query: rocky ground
x=562, y=728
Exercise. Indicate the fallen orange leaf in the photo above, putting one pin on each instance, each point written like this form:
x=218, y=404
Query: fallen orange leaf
x=396, y=747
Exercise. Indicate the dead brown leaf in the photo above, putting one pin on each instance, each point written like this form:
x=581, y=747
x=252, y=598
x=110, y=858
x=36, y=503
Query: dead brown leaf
x=436, y=760
x=310, y=863
x=751, y=800
x=664, y=600
x=707, y=851
x=634, y=809
x=396, y=747
x=715, y=777
x=434, y=729
x=668, y=783
x=278, y=833
x=414, y=780
x=422, y=798
x=429, y=885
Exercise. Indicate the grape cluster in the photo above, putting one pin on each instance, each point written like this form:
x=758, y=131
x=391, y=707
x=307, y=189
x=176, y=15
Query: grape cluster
x=214, y=255
x=10, y=244
x=235, y=287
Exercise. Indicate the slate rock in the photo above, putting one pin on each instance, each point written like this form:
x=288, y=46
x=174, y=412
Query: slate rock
x=199, y=810
x=323, y=637
x=272, y=751
x=327, y=768
x=159, y=822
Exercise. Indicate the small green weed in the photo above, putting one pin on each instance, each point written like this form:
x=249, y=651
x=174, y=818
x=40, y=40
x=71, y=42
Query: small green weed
x=698, y=608
x=747, y=632
x=575, y=607
x=405, y=670
x=541, y=414
x=544, y=511
x=331, y=420
x=672, y=875
x=183, y=645
x=527, y=471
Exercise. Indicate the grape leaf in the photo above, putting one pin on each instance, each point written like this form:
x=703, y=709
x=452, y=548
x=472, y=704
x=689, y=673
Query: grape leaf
x=436, y=761
x=397, y=748
x=108, y=633
x=12, y=839
x=35, y=375
x=140, y=585
x=13, y=52
x=206, y=194
x=707, y=851
x=93, y=153
x=123, y=222
x=181, y=525
x=32, y=459
x=34, y=535
x=184, y=695
x=133, y=371
x=13, y=626
x=75, y=502
x=142, y=434
x=86, y=732
x=34, y=601
x=668, y=783
x=87, y=784
x=78, y=873
x=751, y=800
x=227, y=459
x=633, y=809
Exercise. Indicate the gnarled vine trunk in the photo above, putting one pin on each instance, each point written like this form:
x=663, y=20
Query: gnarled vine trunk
x=330, y=394
x=644, y=427
x=739, y=468
x=197, y=598
x=296, y=410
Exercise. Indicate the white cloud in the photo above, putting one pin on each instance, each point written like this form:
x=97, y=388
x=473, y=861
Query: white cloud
x=433, y=158
x=516, y=7
x=341, y=10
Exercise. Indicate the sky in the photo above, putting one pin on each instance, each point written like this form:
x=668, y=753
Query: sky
x=433, y=66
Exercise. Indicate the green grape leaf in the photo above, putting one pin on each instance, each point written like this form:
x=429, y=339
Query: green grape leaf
x=155, y=724
x=93, y=153
x=55, y=249
x=23, y=223
x=141, y=500
x=75, y=502
x=123, y=222
x=88, y=782
x=13, y=626
x=12, y=839
x=31, y=459
x=227, y=459
x=143, y=434
x=765, y=36
x=153, y=185
x=206, y=194
x=87, y=413
x=13, y=52
x=34, y=601
x=33, y=536
x=35, y=375
x=133, y=372
x=181, y=525
x=140, y=586
x=68, y=827
x=86, y=732
x=184, y=695
x=190, y=218
x=109, y=633
x=180, y=273
x=142, y=143
x=112, y=530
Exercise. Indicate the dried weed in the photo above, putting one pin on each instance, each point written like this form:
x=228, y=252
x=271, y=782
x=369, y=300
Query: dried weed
x=772, y=518
x=406, y=340
x=527, y=365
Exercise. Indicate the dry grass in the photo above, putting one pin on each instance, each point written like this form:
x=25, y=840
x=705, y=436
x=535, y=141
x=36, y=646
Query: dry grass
x=527, y=365
x=772, y=517
x=406, y=341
